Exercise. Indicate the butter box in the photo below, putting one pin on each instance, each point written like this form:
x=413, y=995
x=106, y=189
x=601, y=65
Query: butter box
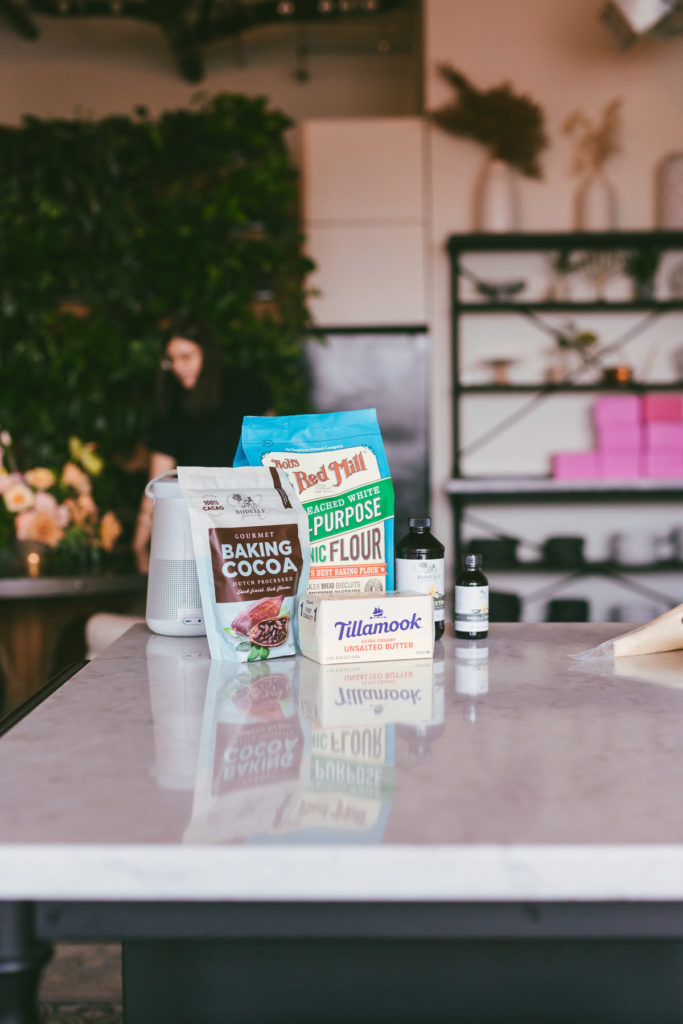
x=397, y=625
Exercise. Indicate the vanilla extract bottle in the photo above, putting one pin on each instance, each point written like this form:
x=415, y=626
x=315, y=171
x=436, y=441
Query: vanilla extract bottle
x=420, y=567
x=471, y=601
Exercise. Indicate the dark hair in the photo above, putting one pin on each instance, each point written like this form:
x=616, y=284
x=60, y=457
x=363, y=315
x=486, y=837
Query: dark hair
x=205, y=396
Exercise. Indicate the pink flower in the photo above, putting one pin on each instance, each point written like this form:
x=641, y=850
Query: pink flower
x=18, y=497
x=48, y=503
x=74, y=477
x=45, y=502
x=82, y=509
x=8, y=480
x=38, y=526
x=40, y=479
x=110, y=531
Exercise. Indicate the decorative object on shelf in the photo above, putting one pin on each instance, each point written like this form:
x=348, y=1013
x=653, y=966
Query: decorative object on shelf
x=599, y=267
x=511, y=128
x=595, y=143
x=563, y=264
x=500, y=369
x=497, y=552
x=617, y=375
x=641, y=266
x=496, y=198
x=49, y=517
x=639, y=547
x=670, y=192
x=502, y=291
x=677, y=357
x=567, y=609
x=575, y=350
x=563, y=552
x=676, y=281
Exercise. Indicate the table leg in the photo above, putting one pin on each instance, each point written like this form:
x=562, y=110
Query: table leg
x=22, y=957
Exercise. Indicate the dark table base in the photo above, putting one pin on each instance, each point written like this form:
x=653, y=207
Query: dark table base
x=399, y=963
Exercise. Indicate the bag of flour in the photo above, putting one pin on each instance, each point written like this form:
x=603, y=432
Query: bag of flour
x=338, y=467
x=250, y=538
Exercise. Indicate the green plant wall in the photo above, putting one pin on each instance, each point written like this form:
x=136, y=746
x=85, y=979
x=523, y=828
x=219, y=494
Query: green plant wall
x=109, y=227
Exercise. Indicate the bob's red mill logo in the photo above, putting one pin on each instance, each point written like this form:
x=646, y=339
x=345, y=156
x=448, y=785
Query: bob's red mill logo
x=335, y=472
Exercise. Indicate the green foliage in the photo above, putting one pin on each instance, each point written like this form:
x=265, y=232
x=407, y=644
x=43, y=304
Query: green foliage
x=510, y=126
x=109, y=227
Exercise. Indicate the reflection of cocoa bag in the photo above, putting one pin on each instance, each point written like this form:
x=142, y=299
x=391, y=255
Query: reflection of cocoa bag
x=254, y=752
x=250, y=538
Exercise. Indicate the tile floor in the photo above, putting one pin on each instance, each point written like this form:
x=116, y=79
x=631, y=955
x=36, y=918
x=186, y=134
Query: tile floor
x=82, y=985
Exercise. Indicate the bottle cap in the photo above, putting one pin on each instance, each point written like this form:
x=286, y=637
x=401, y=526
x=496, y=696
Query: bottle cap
x=421, y=525
x=472, y=561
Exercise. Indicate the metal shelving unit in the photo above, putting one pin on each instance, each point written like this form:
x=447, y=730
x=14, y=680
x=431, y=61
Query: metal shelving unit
x=519, y=490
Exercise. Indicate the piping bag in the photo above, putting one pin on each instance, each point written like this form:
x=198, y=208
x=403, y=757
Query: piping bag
x=665, y=633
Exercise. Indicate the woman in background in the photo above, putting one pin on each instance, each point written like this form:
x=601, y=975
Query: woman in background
x=199, y=405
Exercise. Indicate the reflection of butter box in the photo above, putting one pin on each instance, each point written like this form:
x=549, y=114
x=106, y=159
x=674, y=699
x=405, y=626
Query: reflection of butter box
x=367, y=693
x=366, y=627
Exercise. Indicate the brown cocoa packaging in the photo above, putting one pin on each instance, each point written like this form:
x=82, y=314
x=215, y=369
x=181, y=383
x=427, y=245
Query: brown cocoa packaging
x=250, y=539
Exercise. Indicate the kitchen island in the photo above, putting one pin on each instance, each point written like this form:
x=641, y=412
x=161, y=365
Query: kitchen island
x=492, y=835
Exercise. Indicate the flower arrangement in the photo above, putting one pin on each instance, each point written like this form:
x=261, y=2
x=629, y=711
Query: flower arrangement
x=595, y=141
x=55, y=508
x=509, y=126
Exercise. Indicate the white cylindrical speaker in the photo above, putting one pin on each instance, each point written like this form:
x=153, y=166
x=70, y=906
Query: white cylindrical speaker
x=174, y=606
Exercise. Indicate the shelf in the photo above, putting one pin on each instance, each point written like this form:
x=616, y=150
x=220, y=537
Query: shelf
x=627, y=306
x=551, y=389
x=586, y=568
x=375, y=329
x=520, y=488
x=550, y=240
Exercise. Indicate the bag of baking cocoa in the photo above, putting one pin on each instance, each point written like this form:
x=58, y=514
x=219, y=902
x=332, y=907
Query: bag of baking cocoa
x=250, y=539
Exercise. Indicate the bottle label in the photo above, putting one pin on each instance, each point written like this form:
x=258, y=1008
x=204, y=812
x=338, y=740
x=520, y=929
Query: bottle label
x=472, y=609
x=426, y=576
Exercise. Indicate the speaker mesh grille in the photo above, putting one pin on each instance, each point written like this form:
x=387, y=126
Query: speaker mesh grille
x=172, y=584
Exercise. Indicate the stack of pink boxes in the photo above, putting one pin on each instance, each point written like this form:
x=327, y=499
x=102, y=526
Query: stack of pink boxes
x=637, y=437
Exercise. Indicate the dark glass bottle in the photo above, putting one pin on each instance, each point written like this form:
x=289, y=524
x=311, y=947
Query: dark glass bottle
x=471, y=601
x=420, y=567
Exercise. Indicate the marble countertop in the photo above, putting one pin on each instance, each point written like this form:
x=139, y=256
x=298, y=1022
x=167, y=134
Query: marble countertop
x=502, y=770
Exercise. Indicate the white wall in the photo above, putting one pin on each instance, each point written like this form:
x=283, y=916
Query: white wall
x=557, y=52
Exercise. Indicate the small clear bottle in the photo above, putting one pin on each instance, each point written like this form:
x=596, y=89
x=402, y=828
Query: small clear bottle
x=420, y=567
x=471, y=601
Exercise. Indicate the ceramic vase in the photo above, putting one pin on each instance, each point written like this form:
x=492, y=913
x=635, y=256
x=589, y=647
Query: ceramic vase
x=496, y=207
x=595, y=204
x=670, y=192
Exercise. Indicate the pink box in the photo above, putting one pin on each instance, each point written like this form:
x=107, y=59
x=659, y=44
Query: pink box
x=618, y=409
x=619, y=466
x=667, y=464
x=575, y=465
x=663, y=435
x=625, y=437
x=662, y=407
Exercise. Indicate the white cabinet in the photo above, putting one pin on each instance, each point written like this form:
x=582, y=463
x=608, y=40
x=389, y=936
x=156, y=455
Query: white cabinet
x=363, y=204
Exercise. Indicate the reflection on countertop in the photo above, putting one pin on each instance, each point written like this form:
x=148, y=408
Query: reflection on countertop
x=497, y=742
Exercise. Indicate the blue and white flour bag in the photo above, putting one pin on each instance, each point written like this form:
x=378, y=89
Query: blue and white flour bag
x=338, y=468
x=250, y=540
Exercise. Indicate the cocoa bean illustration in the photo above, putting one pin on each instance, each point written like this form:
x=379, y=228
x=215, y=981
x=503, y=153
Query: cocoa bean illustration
x=266, y=608
x=270, y=632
